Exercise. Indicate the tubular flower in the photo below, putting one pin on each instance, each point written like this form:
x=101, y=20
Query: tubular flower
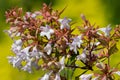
x=46, y=31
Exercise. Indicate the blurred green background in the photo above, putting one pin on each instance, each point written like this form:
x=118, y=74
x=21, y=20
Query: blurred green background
x=100, y=12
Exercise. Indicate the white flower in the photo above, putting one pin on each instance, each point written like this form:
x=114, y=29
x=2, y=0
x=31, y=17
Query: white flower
x=18, y=34
x=96, y=78
x=35, y=53
x=76, y=43
x=46, y=76
x=46, y=31
x=16, y=48
x=15, y=61
x=57, y=77
x=33, y=15
x=64, y=23
x=18, y=42
x=9, y=32
x=62, y=63
x=117, y=72
x=106, y=30
x=17, y=45
x=24, y=53
x=12, y=32
x=28, y=14
x=48, y=48
x=82, y=57
x=97, y=43
x=27, y=67
x=86, y=76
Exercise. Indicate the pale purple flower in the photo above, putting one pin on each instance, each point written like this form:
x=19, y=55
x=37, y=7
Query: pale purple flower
x=62, y=63
x=33, y=15
x=82, y=57
x=48, y=48
x=46, y=76
x=117, y=72
x=13, y=32
x=57, y=77
x=64, y=23
x=77, y=41
x=9, y=32
x=24, y=53
x=18, y=34
x=18, y=42
x=86, y=76
x=15, y=61
x=97, y=43
x=27, y=67
x=28, y=14
x=36, y=53
x=17, y=46
x=106, y=30
x=46, y=31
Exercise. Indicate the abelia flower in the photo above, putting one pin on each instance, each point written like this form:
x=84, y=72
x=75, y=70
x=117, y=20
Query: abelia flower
x=34, y=46
x=106, y=30
x=86, y=76
x=57, y=77
x=13, y=32
x=18, y=42
x=48, y=48
x=82, y=57
x=9, y=32
x=15, y=61
x=16, y=48
x=24, y=53
x=33, y=15
x=18, y=34
x=27, y=67
x=46, y=76
x=77, y=41
x=62, y=63
x=64, y=23
x=46, y=31
x=117, y=72
x=36, y=53
x=28, y=14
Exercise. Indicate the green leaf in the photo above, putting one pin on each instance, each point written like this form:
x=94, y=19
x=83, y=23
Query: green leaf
x=98, y=72
x=67, y=73
x=77, y=77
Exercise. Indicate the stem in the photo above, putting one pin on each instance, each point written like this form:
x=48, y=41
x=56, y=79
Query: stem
x=108, y=56
x=108, y=60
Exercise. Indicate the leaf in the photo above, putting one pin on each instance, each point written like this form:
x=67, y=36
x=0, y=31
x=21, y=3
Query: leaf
x=98, y=72
x=113, y=49
x=67, y=73
x=77, y=77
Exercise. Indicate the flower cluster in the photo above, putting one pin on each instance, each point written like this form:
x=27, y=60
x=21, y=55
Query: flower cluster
x=44, y=36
